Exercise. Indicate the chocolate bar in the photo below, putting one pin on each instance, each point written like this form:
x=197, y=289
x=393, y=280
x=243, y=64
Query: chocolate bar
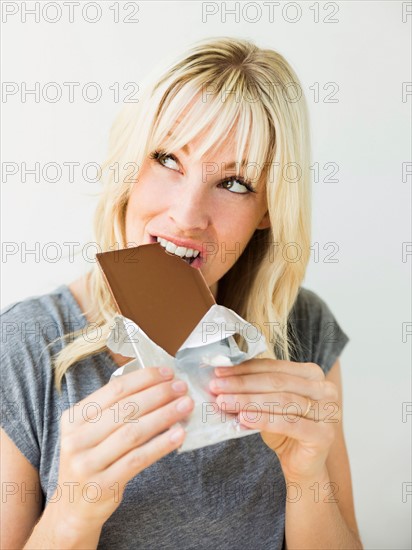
x=158, y=291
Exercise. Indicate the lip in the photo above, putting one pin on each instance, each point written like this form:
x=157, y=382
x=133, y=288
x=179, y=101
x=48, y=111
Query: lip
x=198, y=261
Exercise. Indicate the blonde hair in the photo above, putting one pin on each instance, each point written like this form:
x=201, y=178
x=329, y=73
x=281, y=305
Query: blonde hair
x=245, y=89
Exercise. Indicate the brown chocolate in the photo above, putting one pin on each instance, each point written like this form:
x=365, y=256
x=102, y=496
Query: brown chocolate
x=158, y=291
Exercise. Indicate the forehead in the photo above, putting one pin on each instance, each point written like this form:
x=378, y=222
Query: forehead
x=228, y=131
x=225, y=151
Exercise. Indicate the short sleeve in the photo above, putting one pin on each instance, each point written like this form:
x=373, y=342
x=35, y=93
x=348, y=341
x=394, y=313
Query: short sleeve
x=315, y=332
x=22, y=379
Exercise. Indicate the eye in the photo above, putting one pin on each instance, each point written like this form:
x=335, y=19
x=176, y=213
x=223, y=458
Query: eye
x=238, y=185
x=161, y=156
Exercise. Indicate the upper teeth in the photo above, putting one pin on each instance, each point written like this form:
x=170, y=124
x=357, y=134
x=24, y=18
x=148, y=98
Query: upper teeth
x=178, y=250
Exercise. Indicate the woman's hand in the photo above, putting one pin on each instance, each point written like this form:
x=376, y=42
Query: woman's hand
x=112, y=435
x=291, y=403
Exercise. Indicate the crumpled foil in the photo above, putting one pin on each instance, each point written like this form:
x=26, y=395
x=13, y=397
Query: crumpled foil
x=209, y=345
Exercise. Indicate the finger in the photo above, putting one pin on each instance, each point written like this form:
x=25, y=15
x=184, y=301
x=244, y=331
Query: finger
x=287, y=404
x=117, y=388
x=269, y=382
x=311, y=371
x=302, y=429
x=138, y=459
x=134, y=435
x=125, y=411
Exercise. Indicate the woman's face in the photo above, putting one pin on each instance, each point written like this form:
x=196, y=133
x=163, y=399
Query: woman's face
x=199, y=205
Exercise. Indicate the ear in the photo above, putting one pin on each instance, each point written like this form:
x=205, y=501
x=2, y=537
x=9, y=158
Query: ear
x=264, y=222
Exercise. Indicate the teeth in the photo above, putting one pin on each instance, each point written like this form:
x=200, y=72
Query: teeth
x=180, y=251
x=170, y=247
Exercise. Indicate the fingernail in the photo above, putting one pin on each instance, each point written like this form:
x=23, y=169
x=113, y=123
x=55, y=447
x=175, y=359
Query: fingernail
x=220, y=382
x=176, y=434
x=225, y=400
x=184, y=405
x=166, y=371
x=179, y=386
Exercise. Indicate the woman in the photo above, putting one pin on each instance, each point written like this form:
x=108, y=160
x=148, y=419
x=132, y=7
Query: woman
x=214, y=158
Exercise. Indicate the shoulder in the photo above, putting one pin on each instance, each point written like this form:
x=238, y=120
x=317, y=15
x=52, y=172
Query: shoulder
x=310, y=309
x=57, y=304
x=31, y=406
x=31, y=333
x=39, y=320
x=316, y=335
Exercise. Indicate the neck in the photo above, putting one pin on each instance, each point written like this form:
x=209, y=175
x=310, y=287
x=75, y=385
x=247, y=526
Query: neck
x=213, y=289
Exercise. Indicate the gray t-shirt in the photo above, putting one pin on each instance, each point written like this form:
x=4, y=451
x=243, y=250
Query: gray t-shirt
x=228, y=495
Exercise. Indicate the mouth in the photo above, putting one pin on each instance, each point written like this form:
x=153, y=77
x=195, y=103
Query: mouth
x=195, y=262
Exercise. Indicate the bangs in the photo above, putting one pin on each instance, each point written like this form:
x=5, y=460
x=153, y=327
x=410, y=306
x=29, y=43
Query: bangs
x=190, y=110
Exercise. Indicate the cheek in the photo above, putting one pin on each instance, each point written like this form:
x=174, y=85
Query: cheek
x=241, y=215
x=234, y=226
x=146, y=198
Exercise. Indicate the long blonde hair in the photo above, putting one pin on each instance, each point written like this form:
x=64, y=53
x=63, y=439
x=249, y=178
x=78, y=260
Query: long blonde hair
x=233, y=86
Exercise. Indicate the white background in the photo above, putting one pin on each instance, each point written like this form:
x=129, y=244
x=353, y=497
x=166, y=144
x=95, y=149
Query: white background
x=366, y=212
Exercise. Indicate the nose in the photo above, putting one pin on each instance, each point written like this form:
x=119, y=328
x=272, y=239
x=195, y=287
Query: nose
x=190, y=210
